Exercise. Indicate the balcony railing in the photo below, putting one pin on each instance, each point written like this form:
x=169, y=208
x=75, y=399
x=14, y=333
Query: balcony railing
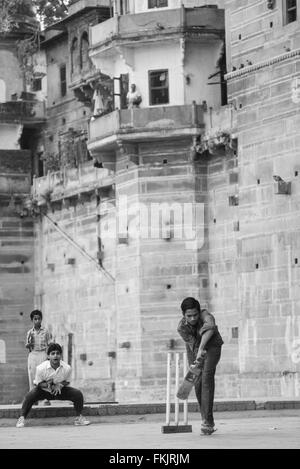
x=158, y=22
x=22, y=110
x=146, y=120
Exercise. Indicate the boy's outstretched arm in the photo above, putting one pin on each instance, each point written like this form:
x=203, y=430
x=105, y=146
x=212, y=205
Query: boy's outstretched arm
x=206, y=333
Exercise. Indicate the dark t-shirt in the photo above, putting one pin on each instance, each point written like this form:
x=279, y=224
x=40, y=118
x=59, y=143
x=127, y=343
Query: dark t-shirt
x=192, y=335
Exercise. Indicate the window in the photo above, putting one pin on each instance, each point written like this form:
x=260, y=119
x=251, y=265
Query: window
x=157, y=3
x=159, y=87
x=63, y=80
x=84, y=51
x=74, y=53
x=290, y=11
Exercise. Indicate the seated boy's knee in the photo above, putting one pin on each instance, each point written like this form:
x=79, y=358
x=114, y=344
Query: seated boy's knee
x=76, y=392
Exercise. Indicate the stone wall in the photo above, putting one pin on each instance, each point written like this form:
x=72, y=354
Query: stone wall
x=78, y=300
x=16, y=275
x=157, y=270
x=9, y=68
x=268, y=241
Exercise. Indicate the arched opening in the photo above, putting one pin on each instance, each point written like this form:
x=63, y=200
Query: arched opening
x=74, y=54
x=84, y=52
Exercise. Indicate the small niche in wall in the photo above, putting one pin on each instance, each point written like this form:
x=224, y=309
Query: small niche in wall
x=236, y=226
x=296, y=261
x=70, y=261
x=123, y=238
x=233, y=200
x=235, y=333
x=233, y=178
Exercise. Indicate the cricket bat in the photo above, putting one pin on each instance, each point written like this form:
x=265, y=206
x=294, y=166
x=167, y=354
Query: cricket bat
x=189, y=380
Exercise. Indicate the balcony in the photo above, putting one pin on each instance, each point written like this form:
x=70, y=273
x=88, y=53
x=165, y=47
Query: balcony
x=138, y=124
x=23, y=112
x=155, y=24
x=69, y=183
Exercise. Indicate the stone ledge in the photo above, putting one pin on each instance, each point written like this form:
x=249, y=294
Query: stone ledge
x=263, y=64
x=66, y=409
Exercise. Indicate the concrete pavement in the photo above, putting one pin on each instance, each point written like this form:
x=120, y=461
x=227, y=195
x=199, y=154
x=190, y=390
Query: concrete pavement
x=253, y=429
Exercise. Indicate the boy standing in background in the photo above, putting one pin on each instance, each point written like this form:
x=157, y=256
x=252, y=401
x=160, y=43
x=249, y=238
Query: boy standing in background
x=37, y=341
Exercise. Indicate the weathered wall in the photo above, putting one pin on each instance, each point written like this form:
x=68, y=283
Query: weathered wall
x=268, y=240
x=222, y=223
x=157, y=270
x=256, y=33
x=201, y=62
x=197, y=61
x=9, y=136
x=246, y=272
x=63, y=111
x=75, y=296
x=9, y=68
x=16, y=275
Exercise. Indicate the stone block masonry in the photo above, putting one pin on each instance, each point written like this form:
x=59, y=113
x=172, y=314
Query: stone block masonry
x=77, y=299
x=160, y=270
x=267, y=246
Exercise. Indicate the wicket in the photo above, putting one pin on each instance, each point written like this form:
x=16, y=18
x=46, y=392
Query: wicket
x=176, y=427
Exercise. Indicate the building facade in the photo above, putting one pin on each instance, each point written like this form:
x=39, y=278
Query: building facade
x=189, y=191
x=21, y=117
x=119, y=320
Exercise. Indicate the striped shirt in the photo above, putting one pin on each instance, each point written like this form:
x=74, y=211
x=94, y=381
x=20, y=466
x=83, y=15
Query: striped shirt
x=38, y=339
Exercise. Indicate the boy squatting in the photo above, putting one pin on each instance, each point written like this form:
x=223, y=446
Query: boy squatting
x=52, y=382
